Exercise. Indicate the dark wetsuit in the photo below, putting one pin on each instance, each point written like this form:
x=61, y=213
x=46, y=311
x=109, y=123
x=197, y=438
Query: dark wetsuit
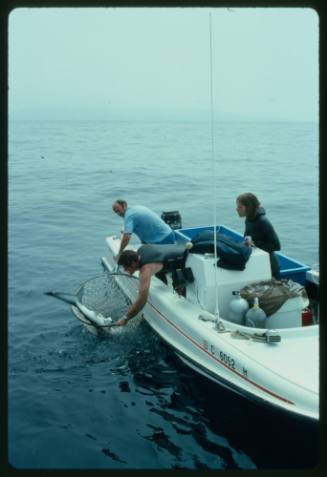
x=165, y=254
x=264, y=237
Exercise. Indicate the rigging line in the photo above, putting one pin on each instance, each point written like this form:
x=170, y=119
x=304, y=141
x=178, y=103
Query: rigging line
x=214, y=168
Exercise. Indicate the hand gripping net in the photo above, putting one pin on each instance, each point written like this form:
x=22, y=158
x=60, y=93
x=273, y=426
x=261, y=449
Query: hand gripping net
x=104, y=294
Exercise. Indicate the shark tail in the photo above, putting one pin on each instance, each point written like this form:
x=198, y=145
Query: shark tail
x=66, y=297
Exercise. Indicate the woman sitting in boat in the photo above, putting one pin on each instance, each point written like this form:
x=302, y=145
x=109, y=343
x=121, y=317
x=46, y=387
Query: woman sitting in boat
x=150, y=260
x=259, y=232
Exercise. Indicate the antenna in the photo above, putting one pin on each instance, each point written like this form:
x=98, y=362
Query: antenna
x=214, y=167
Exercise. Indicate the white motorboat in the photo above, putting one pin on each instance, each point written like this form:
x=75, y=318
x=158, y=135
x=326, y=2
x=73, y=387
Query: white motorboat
x=278, y=365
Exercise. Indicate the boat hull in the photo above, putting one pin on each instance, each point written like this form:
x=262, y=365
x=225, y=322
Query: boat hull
x=283, y=374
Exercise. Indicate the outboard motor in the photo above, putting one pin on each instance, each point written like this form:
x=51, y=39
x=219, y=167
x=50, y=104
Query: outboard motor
x=173, y=219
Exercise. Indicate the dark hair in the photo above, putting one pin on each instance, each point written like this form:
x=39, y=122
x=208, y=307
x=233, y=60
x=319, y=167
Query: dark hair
x=127, y=257
x=251, y=202
x=121, y=202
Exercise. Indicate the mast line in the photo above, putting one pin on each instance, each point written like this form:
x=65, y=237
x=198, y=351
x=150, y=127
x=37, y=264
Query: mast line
x=214, y=166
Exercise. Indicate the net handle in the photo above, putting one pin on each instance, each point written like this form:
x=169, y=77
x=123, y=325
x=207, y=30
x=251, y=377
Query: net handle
x=117, y=273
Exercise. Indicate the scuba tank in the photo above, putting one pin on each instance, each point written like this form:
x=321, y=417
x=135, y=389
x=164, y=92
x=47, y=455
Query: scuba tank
x=238, y=306
x=256, y=317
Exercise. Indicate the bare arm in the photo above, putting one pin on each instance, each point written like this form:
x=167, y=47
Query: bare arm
x=124, y=242
x=145, y=280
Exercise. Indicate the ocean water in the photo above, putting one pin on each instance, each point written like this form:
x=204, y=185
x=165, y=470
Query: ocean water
x=76, y=401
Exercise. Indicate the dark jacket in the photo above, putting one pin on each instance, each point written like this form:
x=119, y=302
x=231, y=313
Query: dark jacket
x=264, y=237
x=262, y=232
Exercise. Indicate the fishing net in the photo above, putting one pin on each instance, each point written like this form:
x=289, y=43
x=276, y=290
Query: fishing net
x=108, y=294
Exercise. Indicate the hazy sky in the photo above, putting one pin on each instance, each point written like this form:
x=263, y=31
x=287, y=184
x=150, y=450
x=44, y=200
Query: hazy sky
x=154, y=63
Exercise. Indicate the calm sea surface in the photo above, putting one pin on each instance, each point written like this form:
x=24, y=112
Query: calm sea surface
x=126, y=402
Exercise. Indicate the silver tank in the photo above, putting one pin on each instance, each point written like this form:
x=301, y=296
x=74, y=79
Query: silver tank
x=255, y=316
x=237, y=308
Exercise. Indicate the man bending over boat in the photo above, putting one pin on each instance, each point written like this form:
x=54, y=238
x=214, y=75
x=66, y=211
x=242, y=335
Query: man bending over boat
x=145, y=223
x=150, y=260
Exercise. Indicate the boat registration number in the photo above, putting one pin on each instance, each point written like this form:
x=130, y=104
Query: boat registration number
x=227, y=359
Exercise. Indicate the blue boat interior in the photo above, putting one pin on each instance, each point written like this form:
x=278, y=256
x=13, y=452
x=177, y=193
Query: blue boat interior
x=289, y=268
